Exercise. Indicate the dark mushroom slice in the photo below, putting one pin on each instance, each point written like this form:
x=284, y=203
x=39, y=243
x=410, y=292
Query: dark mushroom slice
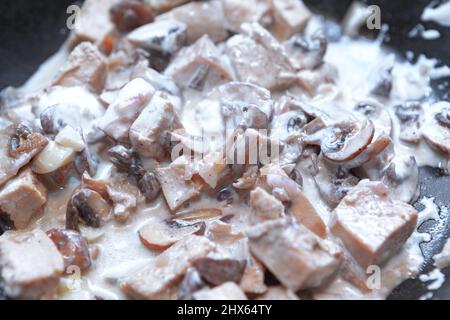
x=25, y=141
x=85, y=161
x=129, y=161
x=130, y=14
x=334, y=182
x=160, y=235
x=345, y=140
x=72, y=246
x=410, y=117
x=54, y=118
x=437, y=129
x=402, y=178
x=307, y=51
x=217, y=271
x=375, y=111
x=89, y=207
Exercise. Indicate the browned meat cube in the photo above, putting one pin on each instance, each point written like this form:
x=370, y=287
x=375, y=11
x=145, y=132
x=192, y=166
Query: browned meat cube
x=258, y=58
x=278, y=293
x=175, y=188
x=165, y=36
x=22, y=197
x=199, y=66
x=371, y=225
x=30, y=265
x=85, y=66
x=125, y=109
x=201, y=18
x=238, y=12
x=150, y=133
x=160, y=279
x=265, y=206
x=297, y=257
x=93, y=23
x=226, y=291
x=290, y=17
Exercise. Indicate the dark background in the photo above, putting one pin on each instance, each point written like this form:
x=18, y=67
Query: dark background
x=32, y=30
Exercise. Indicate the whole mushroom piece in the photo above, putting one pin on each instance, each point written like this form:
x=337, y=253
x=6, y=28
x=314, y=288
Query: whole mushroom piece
x=436, y=130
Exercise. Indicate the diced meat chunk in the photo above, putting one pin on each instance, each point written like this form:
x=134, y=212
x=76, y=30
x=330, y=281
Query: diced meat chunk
x=129, y=103
x=85, y=66
x=290, y=17
x=278, y=293
x=296, y=257
x=160, y=235
x=258, y=58
x=159, y=279
x=165, y=36
x=9, y=166
x=226, y=291
x=165, y=5
x=30, y=265
x=238, y=12
x=123, y=194
x=150, y=133
x=265, y=206
x=175, y=188
x=22, y=198
x=201, y=18
x=199, y=66
x=371, y=225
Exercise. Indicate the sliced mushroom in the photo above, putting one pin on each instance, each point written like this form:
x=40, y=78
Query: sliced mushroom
x=402, y=178
x=410, y=117
x=437, y=129
x=285, y=125
x=72, y=246
x=218, y=271
x=334, y=182
x=245, y=104
x=159, y=235
x=25, y=141
x=374, y=111
x=129, y=161
x=344, y=141
x=88, y=206
x=306, y=52
x=198, y=214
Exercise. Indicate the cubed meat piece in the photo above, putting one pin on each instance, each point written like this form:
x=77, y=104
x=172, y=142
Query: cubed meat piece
x=199, y=66
x=278, y=293
x=160, y=279
x=85, y=66
x=201, y=18
x=290, y=17
x=265, y=206
x=30, y=265
x=9, y=166
x=296, y=257
x=226, y=291
x=150, y=133
x=165, y=36
x=165, y=5
x=175, y=188
x=129, y=103
x=93, y=24
x=22, y=197
x=238, y=12
x=372, y=226
x=258, y=58
x=123, y=194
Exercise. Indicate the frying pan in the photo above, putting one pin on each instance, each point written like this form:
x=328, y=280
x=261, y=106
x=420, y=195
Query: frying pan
x=30, y=31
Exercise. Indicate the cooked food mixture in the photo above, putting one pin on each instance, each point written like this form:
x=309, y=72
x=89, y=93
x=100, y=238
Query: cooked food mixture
x=216, y=149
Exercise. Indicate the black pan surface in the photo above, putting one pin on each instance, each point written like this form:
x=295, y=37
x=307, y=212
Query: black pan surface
x=30, y=31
